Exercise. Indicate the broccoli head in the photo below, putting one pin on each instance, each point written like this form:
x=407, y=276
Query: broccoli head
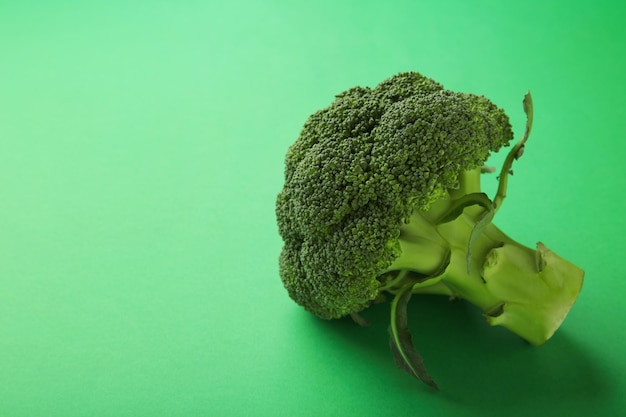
x=382, y=196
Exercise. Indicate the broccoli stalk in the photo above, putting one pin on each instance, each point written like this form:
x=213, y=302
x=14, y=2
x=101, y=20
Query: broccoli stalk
x=382, y=195
x=529, y=291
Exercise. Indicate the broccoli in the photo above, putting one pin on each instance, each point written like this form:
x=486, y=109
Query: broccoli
x=382, y=196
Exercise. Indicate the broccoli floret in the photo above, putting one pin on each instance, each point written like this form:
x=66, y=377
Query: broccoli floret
x=382, y=196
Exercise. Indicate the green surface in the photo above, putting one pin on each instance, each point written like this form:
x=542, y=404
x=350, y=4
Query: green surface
x=141, y=149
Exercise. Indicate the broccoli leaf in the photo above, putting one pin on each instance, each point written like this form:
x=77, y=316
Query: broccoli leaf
x=483, y=221
x=458, y=205
x=400, y=340
x=404, y=353
x=515, y=153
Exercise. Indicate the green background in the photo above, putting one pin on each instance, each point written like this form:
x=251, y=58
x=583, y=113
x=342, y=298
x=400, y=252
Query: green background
x=141, y=150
